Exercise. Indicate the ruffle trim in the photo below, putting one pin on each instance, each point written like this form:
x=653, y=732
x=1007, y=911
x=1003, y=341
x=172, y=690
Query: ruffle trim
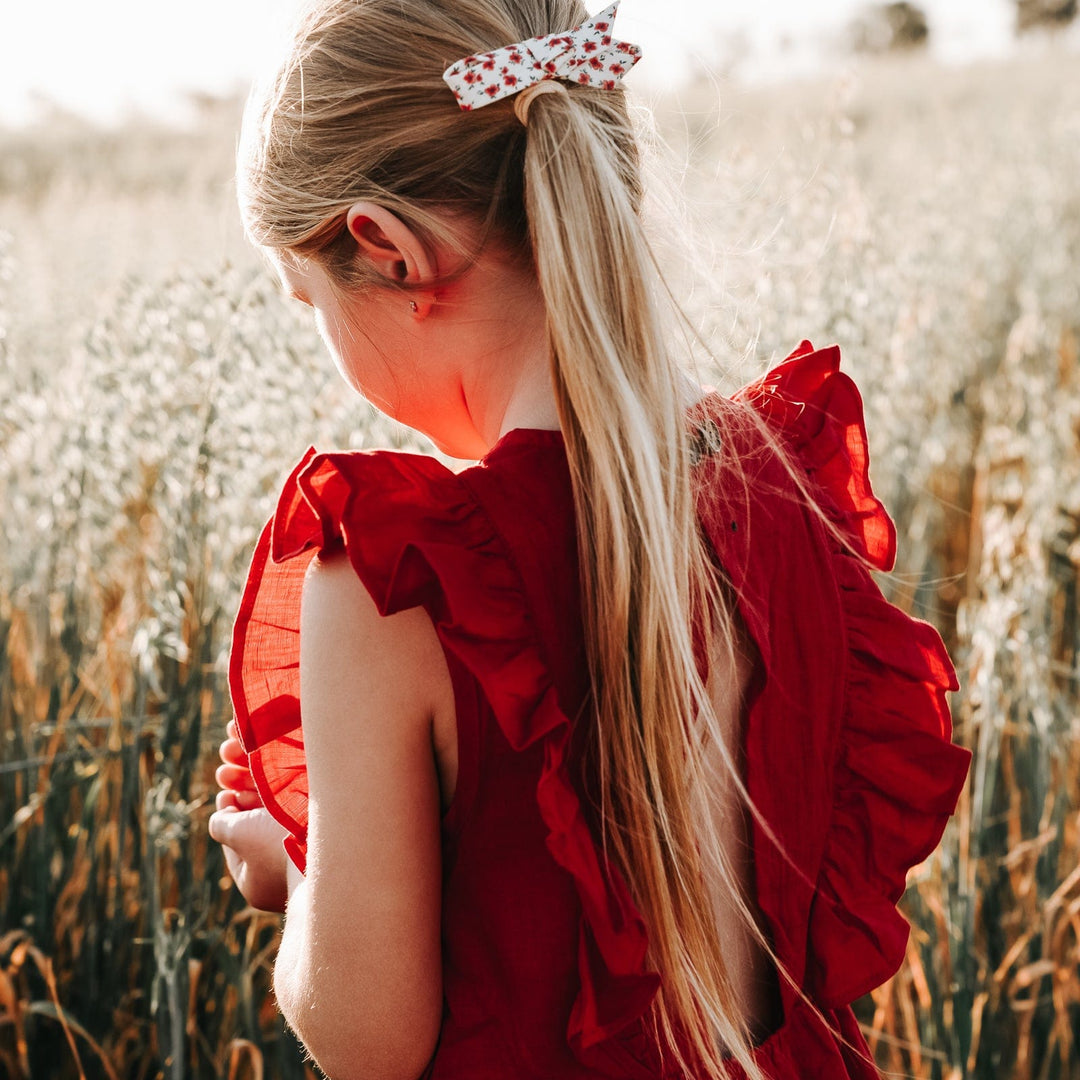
x=416, y=536
x=818, y=413
x=898, y=775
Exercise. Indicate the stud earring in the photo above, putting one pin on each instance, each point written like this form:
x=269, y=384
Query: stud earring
x=413, y=306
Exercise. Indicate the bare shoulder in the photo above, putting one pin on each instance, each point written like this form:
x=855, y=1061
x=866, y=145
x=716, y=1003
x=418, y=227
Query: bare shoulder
x=345, y=638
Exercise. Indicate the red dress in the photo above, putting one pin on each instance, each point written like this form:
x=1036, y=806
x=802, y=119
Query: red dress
x=848, y=751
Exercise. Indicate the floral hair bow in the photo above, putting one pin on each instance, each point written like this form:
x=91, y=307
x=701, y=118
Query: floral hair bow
x=587, y=54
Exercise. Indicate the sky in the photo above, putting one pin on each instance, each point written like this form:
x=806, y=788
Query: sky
x=108, y=58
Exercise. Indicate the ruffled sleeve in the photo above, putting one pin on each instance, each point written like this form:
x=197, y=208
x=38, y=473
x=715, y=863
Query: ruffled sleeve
x=397, y=516
x=417, y=535
x=897, y=775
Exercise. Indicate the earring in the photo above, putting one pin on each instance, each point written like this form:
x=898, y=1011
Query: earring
x=413, y=306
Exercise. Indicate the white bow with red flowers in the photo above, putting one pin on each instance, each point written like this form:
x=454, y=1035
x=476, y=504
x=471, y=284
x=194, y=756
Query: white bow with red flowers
x=587, y=54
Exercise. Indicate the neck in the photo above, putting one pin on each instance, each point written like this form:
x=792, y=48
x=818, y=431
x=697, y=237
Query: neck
x=505, y=378
x=510, y=387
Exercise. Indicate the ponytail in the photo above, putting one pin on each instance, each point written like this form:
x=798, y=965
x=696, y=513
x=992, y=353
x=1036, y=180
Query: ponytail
x=646, y=573
x=331, y=129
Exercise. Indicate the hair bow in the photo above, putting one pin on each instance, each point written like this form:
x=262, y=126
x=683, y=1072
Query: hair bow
x=587, y=54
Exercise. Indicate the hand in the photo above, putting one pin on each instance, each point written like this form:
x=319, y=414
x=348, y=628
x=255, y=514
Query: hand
x=234, y=776
x=252, y=839
x=254, y=854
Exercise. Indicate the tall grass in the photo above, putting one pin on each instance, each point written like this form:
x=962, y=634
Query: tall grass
x=927, y=220
x=137, y=481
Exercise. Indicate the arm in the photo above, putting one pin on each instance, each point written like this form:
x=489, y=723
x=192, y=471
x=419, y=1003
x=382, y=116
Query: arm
x=359, y=971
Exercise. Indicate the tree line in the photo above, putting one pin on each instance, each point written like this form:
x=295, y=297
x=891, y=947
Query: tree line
x=902, y=25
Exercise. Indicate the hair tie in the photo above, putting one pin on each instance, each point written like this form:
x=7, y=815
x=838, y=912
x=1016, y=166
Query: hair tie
x=588, y=55
x=524, y=99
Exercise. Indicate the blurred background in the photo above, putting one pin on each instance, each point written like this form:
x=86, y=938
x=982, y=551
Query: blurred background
x=899, y=178
x=122, y=57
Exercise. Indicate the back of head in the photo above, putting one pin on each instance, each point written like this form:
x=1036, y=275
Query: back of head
x=360, y=111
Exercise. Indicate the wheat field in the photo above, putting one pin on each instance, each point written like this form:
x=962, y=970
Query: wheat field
x=155, y=388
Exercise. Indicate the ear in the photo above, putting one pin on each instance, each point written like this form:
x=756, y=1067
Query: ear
x=392, y=248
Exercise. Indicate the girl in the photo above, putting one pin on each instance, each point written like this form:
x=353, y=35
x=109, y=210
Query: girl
x=613, y=757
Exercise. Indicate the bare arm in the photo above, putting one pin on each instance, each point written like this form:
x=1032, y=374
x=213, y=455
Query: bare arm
x=359, y=972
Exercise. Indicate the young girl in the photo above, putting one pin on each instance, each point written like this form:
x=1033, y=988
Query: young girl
x=613, y=757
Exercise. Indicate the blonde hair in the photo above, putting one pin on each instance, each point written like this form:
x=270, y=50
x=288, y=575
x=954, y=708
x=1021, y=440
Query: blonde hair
x=360, y=111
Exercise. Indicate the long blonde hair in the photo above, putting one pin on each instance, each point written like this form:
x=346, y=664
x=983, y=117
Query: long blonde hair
x=360, y=111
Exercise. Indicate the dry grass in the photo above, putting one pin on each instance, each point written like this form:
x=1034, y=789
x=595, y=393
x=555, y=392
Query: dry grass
x=154, y=388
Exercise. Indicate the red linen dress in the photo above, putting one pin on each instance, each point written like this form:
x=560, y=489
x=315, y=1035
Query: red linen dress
x=848, y=751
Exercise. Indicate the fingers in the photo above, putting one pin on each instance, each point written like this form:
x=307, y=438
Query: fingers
x=237, y=800
x=250, y=830
x=233, y=773
x=232, y=752
x=234, y=777
x=228, y=824
x=248, y=800
x=220, y=825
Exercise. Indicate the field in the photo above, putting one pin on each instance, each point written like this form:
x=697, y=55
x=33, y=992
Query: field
x=155, y=389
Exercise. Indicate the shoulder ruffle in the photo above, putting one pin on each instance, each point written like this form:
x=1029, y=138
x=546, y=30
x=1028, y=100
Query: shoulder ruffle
x=898, y=776
x=385, y=509
x=818, y=412
x=415, y=535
